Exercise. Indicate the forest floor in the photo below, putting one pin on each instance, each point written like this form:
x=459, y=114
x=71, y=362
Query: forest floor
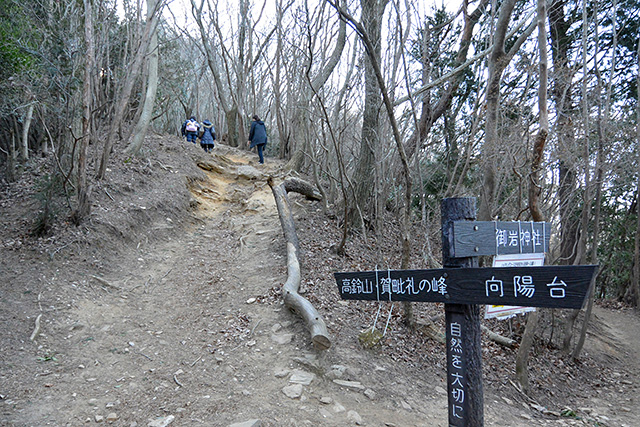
x=165, y=308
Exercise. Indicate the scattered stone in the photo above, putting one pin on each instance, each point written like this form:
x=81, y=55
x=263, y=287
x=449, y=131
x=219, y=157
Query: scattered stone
x=539, y=408
x=369, y=338
x=354, y=385
x=627, y=382
x=326, y=400
x=112, y=417
x=162, y=421
x=293, y=391
x=325, y=414
x=251, y=300
x=440, y=390
x=301, y=377
x=99, y=418
x=282, y=373
x=507, y=400
x=625, y=409
x=370, y=394
x=250, y=423
x=282, y=338
x=248, y=172
x=405, y=406
x=355, y=417
x=309, y=361
x=337, y=408
x=526, y=416
x=336, y=372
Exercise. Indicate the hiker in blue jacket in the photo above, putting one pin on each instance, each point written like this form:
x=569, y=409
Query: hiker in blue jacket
x=258, y=136
x=190, y=129
x=208, y=136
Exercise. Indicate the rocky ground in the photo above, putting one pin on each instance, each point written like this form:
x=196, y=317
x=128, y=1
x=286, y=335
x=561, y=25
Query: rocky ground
x=165, y=308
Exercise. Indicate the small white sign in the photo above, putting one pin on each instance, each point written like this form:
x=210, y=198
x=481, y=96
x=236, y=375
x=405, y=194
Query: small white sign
x=503, y=312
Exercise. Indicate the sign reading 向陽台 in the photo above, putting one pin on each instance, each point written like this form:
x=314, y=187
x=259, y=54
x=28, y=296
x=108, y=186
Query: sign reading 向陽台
x=550, y=286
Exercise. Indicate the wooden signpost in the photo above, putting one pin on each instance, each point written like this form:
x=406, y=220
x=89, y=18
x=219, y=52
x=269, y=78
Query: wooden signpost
x=462, y=287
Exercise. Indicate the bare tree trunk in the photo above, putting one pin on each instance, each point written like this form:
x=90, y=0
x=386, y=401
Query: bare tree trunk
x=375, y=65
x=635, y=285
x=522, y=357
x=562, y=96
x=581, y=253
x=372, y=11
x=498, y=61
x=430, y=113
x=127, y=87
x=24, y=147
x=602, y=123
x=84, y=192
x=152, y=85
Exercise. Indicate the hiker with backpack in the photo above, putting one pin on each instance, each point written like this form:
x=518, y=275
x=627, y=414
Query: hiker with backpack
x=258, y=136
x=190, y=129
x=207, y=136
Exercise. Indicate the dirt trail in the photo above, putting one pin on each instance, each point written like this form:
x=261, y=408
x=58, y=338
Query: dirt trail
x=186, y=327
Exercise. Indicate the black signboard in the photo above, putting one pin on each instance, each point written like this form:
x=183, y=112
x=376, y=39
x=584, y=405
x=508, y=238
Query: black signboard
x=476, y=238
x=549, y=286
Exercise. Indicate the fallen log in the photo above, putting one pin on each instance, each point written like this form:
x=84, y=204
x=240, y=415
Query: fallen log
x=497, y=338
x=292, y=299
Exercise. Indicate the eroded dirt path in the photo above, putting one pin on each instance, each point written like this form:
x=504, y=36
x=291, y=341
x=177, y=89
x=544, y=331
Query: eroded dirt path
x=188, y=328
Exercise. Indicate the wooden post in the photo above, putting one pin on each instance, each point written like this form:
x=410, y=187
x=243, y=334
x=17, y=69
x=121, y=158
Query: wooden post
x=464, y=354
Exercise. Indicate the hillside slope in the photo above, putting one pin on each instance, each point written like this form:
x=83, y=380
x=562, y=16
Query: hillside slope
x=165, y=308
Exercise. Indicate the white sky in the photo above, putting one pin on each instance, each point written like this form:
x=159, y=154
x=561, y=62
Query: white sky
x=181, y=9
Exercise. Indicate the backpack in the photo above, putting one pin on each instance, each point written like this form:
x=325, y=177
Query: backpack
x=192, y=126
x=201, y=132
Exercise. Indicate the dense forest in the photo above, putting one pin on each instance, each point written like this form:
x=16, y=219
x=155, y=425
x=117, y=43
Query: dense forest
x=531, y=107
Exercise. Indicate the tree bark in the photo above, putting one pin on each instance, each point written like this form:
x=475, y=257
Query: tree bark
x=498, y=61
x=430, y=113
x=372, y=11
x=636, y=253
x=152, y=86
x=24, y=147
x=127, y=87
x=562, y=97
x=522, y=357
x=523, y=352
x=84, y=192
